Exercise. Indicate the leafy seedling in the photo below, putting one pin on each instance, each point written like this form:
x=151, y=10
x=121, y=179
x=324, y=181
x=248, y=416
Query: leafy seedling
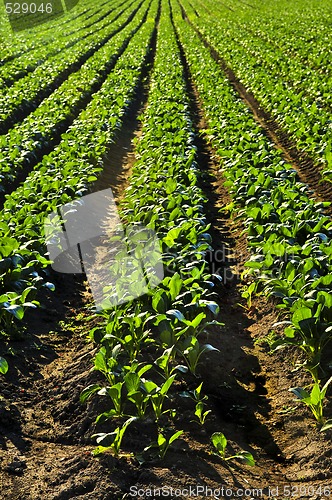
x=314, y=400
x=158, y=449
x=111, y=440
x=219, y=442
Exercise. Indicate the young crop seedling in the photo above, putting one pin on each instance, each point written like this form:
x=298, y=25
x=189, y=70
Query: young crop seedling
x=164, y=362
x=199, y=399
x=219, y=442
x=111, y=440
x=159, y=448
x=248, y=293
x=199, y=409
x=309, y=333
x=314, y=400
x=135, y=390
x=157, y=395
x=192, y=351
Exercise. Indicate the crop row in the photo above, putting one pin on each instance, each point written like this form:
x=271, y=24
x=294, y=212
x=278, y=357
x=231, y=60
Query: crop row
x=300, y=31
x=26, y=143
x=61, y=177
x=287, y=230
x=32, y=39
x=28, y=92
x=21, y=66
x=163, y=325
x=296, y=96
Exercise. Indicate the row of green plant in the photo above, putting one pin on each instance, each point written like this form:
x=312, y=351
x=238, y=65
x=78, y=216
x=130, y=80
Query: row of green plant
x=25, y=144
x=34, y=38
x=78, y=29
x=288, y=231
x=148, y=344
x=295, y=27
x=28, y=92
x=297, y=96
x=62, y=176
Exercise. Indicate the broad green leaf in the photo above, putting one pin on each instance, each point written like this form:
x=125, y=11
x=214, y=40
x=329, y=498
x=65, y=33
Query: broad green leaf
x=175, y=313
x=246, y=457
x=219, y=441
x=166, y=385
x=301, y=314
x=3, y=366
x=327, y=425
x=175, y=436
x=88, y=391
x=15, y=310
x=161, y=440
x=175, y=285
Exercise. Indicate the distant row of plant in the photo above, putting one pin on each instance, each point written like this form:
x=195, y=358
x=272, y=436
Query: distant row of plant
x=29, y=60
x=27, y=93
x=297, y=95
x=287, y=230
x=26, y=143
x=45, y=34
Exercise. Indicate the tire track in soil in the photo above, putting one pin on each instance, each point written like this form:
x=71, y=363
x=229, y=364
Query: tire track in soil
x=252, y=398
x=47, y=436
x=308, y=171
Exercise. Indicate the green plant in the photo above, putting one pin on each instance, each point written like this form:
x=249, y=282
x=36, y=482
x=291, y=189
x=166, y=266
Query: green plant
x=158, y=448
x=268, y=339
x=199, y=409
x=3, y=365
x=314, y=400
x=111, y=440
x=164, y=362
x=219, y=442
x=135, y=390
x=192, y=351
x=310, y=334
x=158, y=394
x=248, y=292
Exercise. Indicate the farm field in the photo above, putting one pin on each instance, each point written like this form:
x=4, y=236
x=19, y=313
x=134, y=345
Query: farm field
x=183, y=347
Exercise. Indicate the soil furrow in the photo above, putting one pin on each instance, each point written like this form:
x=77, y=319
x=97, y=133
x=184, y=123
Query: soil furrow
x=249, y=387
x=244, y=380
x=120, y=156
x=45, y=418
x=309, y=172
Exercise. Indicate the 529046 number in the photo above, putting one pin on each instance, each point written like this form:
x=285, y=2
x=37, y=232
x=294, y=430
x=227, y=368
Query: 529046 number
x=28, y=8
